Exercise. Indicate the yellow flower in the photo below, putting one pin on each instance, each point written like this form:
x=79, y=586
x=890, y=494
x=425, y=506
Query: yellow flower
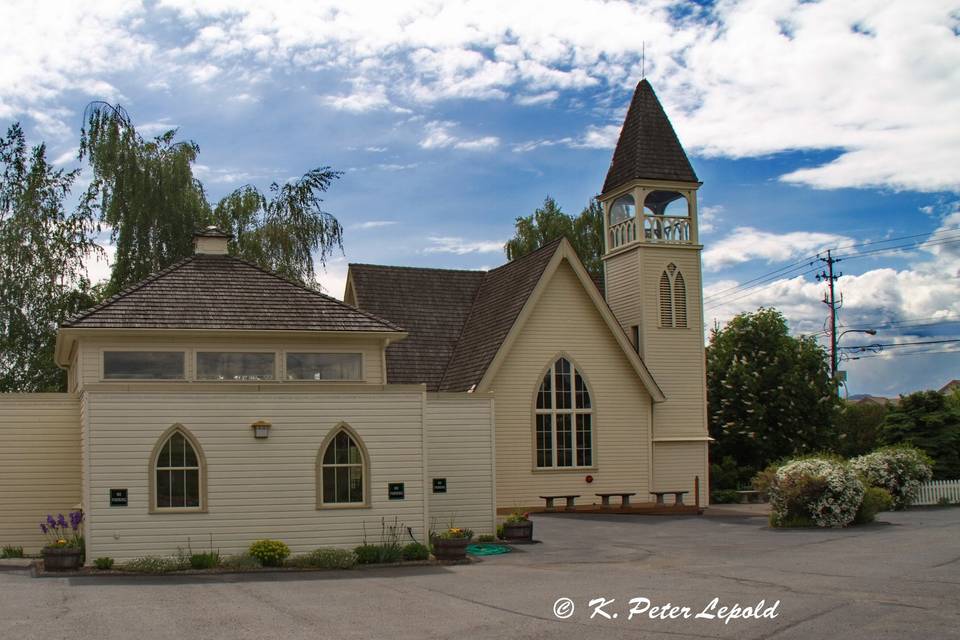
x=61, y=541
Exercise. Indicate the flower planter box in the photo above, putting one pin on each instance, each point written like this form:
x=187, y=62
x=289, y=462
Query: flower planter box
x=61, y=559
x=448, y=549
x=518, y=531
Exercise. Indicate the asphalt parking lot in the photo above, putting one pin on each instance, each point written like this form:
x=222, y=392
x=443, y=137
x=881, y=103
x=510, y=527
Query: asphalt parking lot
x=896, y=579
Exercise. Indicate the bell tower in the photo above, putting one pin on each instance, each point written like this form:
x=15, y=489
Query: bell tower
x=653, y=280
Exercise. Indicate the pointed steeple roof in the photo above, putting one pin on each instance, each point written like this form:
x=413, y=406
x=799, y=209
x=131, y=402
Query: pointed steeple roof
x=648, y=147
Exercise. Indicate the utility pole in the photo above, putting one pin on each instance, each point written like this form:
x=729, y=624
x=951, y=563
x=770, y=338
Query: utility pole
x=831, y=301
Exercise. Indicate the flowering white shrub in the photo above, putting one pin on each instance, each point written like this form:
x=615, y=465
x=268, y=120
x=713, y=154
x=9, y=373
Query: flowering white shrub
x=899, y=469
x=824, y=492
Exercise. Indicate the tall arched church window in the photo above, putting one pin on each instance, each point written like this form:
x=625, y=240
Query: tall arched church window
x=343, y=470
x=177, y=472
x=673, y=298
x=563, y=418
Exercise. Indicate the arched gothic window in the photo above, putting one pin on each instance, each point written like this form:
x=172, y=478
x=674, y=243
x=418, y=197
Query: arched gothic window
x=673, y=298
x=342, y=473
x=563, y=418
x=178, y=472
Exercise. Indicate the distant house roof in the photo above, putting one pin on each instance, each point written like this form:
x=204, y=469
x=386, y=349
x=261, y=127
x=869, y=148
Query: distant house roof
x=648, y=147
x=457, y=319
x=865, y=398
x=208, y=291
x=950, y=386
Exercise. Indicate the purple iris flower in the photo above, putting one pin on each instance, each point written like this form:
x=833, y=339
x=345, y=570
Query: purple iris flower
x=51, y=522
x=61, y=521
x=43, y=528
x=76, y=517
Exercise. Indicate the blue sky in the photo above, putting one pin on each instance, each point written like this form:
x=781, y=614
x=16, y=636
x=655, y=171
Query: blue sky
x=811, y=124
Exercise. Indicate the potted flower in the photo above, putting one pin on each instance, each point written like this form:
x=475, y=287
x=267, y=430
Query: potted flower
x=451, y=544
x=518, y=527
x=64, y=548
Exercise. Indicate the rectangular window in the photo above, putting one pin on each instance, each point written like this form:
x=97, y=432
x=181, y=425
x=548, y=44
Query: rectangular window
x=324, y=366
x=226, y=365
x=584, y=443
x=143, y=365
x=564, y=440
x=544, y=440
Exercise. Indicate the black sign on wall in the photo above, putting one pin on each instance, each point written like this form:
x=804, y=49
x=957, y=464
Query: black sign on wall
x=395, y=491
x=439, y=485
x=118, y=497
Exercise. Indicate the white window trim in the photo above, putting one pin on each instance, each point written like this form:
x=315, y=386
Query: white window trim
x=363, y=366
x=276, y=365
x=573, y=412
x=202, y=467
x=364, y=468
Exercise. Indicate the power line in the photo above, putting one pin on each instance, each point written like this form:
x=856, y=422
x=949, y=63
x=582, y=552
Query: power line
x=748, y=293
x=901, y=354
x=896, y=345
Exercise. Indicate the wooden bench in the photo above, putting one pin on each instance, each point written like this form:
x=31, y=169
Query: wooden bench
x=678, y=497
x=624, y=499
x=569, y=499
x=747, y=496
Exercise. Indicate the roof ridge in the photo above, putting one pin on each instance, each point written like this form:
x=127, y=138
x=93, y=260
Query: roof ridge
x=126, y=291
x=303, y=286
x=409, y=268
x=463, y=327
x=552, y=244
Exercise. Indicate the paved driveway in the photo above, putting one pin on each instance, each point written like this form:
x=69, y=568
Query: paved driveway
x=896, y=579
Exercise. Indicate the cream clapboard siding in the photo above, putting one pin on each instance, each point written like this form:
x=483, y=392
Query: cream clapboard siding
x=256, y=488
x=460, y=438
x=675, y=356
x=622, y=282
x=565, y=322
x=90, y=351
x=675, y=465
x=39, y=463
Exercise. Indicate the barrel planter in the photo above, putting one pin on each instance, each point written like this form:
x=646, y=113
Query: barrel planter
x=518, y=531
x=61, y=558
x=450, y=549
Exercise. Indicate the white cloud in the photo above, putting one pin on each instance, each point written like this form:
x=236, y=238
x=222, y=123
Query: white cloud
x=372, y=224
x=460, y=246
x=363, y=98
x=438, y=136
x=156, y=127
x=529, y=100
x=333, y=279
x=709, y=217
x=745, y=244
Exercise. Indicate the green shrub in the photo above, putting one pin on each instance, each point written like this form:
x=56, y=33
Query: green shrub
x=486, y=538
x=724, y=496
x=325, y=558
x=10, y=551
x=763, y=479
x=240, y=562
x=416, y=551
x=208, y=560
x=500, y=531
x=103, y=564
x=820, y=488
x=151, y=564
x=875, y=500
x=944, y=501
x=378, y=553
x=900, y=469
x=270, y=553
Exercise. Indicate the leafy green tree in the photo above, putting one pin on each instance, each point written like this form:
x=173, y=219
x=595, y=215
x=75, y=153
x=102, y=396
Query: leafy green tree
x=549, y=222
x=769, y=394
x=927, y=421
x=858, y=428
x=43, y=278
x=146, y=193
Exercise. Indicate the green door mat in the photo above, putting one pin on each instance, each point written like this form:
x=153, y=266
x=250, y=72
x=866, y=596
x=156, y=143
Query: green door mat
x=487, y=549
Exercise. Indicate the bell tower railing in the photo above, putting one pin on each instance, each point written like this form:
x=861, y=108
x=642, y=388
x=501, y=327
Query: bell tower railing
x=659, y=229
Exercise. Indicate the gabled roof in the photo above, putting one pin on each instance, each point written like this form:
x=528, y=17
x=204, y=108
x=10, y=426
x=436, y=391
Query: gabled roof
x=208, y=291
x=648, y=147
x=433, y=304
x=461, y=322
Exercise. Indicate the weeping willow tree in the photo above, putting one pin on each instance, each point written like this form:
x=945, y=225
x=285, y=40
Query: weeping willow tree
x=147, y=195
x=43, y=277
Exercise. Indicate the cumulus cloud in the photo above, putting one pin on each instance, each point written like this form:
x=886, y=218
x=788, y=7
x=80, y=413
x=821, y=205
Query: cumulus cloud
x=438, y=135
x=461, y=246
x=746, y=244
x=372, y=224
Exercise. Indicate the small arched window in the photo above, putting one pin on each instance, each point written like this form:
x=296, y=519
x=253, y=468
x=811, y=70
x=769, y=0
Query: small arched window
x=342, y=474
x=178, y=472
x=673, y=298
x=624, y=208
x=563, y=418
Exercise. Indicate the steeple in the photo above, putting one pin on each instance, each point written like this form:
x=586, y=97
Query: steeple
x=648, y=148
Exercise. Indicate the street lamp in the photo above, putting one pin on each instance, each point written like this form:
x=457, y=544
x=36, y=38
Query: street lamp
x=833, y=356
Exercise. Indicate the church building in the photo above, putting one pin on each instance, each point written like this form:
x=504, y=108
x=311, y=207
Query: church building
x=217, y=399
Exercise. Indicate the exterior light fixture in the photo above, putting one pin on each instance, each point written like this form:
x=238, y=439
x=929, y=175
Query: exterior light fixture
x=261, y=429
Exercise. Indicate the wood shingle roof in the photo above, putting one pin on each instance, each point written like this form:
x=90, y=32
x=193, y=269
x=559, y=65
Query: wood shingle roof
x=208, y=291
x=648, y=147
x=457, y=320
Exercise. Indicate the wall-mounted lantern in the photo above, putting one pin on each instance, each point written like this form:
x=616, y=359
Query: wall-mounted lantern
x=261, y=429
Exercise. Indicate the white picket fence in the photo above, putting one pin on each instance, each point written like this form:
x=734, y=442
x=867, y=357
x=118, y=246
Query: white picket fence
x=932, y=492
